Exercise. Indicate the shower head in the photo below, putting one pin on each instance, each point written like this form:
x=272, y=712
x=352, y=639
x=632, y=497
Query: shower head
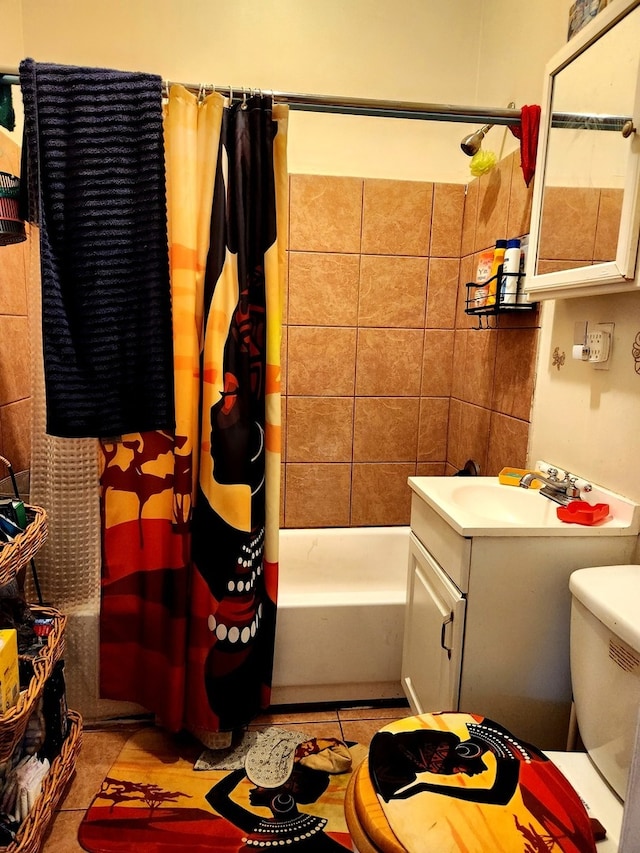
x=471, y=144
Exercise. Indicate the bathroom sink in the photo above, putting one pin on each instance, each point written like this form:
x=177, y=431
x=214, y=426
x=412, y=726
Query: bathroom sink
x=504, y=503
x=481, y=506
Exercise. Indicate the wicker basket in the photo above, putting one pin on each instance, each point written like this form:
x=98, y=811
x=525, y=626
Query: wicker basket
x=14, y=555
x=14, y=723
x=33, y=829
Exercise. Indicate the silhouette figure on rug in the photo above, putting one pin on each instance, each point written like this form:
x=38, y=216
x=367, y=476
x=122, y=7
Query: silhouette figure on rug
x=313, y=763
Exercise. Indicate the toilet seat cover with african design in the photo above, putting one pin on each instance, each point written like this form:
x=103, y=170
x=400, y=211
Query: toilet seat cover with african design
x=460, y=782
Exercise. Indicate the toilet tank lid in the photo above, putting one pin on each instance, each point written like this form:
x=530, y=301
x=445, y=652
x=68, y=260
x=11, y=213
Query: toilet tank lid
x=612, y=594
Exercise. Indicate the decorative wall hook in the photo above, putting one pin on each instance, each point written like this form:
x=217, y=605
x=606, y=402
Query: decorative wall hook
x=635, y=352
x=558, y=358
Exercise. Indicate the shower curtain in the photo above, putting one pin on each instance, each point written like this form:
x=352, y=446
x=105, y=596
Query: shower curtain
x=190, y=521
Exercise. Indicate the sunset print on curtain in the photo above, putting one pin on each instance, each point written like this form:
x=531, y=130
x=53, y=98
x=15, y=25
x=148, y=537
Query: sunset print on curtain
x=175, y=572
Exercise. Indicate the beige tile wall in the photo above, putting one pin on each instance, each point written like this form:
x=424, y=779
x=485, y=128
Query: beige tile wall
x=384, y=376
x=15, y=382
x=493, y=371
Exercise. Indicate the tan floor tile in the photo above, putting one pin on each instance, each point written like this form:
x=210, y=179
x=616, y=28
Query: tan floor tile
x=361, y=731
x=310, y=729
x=290, y=718
x=63, y=833
x=99, y=751
x=394, y=713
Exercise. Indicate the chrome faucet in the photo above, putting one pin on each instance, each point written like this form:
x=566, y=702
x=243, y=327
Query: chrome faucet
x=560, y=491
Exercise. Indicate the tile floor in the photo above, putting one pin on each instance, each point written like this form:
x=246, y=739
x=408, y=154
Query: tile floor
x=101, y=746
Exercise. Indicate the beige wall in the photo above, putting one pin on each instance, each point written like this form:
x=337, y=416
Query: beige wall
x=517, y=41
x=12, y=41
x=11, y=52
x=404, y=50
x=585, y=419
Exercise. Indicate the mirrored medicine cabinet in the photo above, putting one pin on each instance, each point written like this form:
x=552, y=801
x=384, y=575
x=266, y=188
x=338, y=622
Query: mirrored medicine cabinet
x=586, y=200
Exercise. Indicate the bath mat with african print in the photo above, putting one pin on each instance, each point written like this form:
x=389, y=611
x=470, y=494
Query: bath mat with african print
x=153, y=801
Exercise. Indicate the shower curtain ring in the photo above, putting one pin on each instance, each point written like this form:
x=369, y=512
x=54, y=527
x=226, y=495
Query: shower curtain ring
x=230, y=96
x=201, y=92
x=243, y=105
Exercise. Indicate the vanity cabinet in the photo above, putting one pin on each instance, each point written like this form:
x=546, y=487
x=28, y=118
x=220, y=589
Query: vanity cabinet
x=487, y=622
x=436, y=607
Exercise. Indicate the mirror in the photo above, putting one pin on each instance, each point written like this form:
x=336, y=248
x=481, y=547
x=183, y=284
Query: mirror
x=585, y=218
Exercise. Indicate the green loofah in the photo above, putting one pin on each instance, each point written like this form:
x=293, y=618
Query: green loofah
x=482, y=162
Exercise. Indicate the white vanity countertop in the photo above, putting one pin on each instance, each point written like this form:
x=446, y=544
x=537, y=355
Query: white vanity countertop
x=481, y=506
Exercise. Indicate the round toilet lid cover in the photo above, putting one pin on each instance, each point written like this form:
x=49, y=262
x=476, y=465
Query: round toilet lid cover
x=460, y=782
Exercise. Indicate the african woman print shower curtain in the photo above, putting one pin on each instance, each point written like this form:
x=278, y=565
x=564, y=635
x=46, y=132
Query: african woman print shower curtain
x=190, y=521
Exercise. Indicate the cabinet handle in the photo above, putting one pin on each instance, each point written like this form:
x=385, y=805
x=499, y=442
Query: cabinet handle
x=447, y=621
x=628, y=129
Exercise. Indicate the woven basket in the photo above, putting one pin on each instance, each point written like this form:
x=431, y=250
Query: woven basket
x=33, y=829
x=14, y=555
x=14, y=723
x=11, y=226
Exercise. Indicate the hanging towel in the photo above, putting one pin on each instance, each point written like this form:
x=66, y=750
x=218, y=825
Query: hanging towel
x=527, y=133
x=95, y=156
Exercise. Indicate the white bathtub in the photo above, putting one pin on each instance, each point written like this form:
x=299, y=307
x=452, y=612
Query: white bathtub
x=341, y=601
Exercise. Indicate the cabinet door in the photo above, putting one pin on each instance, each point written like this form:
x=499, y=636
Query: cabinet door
x=434, y=629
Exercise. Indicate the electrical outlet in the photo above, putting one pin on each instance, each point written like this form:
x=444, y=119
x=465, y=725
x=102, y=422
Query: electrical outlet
x=598, y=345
x=599, y=341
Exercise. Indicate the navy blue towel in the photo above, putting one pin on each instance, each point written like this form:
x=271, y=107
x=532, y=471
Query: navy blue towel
x=96, y=179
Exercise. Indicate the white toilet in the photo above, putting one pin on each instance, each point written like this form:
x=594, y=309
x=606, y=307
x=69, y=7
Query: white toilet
x=605, y=674
x=605, y=670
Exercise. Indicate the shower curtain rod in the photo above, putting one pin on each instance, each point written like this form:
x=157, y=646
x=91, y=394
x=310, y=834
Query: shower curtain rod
x=374, y=107
x=389, y=109
x=348, y=106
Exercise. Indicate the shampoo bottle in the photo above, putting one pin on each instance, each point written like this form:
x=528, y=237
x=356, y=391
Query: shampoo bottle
x=483, y=273
x=510, y=271
x=498, y=259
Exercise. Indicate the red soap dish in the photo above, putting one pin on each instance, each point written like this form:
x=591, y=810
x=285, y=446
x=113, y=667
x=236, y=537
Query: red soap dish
x=580, y=512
